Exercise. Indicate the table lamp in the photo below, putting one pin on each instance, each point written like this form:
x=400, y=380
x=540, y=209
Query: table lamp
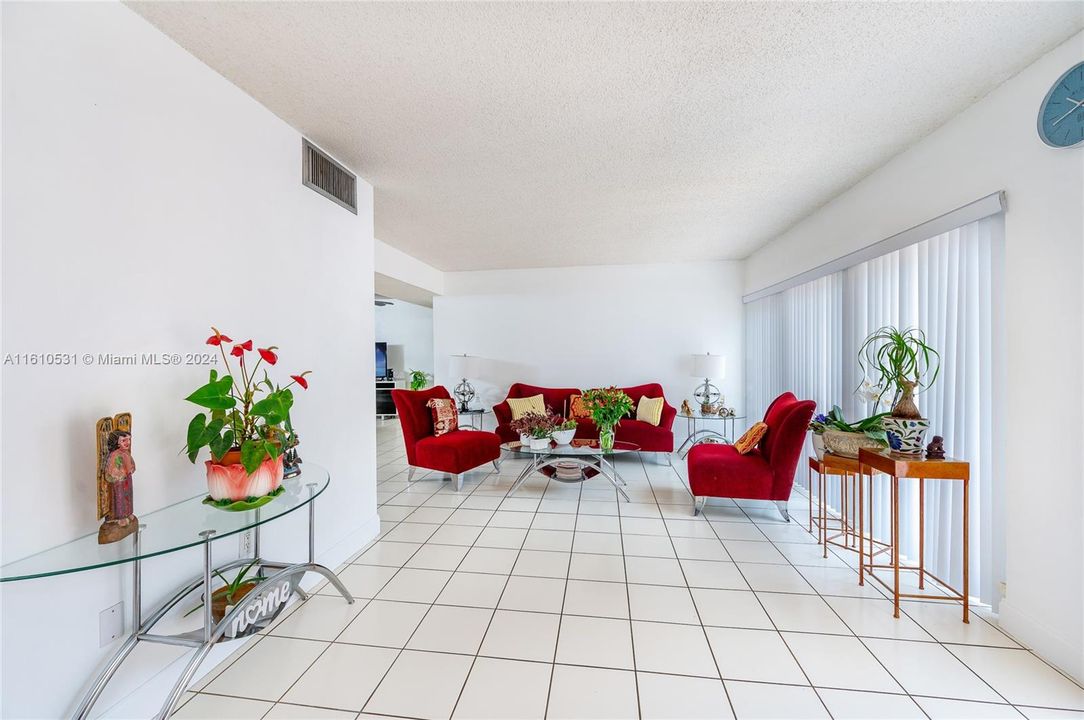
x=708, y=366
x=463, y=366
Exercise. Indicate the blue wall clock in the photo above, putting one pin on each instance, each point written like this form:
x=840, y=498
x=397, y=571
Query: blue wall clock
x=1061, y=116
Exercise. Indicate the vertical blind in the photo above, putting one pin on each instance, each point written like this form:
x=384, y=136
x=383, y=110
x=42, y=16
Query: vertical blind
x=806, y=340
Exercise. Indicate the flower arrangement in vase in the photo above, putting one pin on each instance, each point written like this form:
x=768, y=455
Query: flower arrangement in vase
x=247, y=429
x=607, y=406
x=903, y=364
x=564, y=429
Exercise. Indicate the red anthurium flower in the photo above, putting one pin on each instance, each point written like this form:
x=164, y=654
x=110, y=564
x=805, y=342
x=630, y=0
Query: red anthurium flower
x=218, y=338
x=300, y=380
x=268, y=355
x=237, y=351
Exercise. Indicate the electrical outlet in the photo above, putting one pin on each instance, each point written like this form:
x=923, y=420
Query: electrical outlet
x=1002, y=588
x=246, y=548
x=110, y=624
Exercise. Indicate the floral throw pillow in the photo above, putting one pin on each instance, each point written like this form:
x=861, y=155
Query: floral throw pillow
x=576, y=408
x=445, y=416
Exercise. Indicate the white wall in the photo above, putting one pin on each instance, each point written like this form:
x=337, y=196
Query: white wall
x=406, y=268
x=993, y=146
x=590, y=326
x=408, y=330
x=144, y=199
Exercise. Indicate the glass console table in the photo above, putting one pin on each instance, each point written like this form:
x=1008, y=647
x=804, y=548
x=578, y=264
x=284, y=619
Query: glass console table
x=702, y=434
x=190, y=523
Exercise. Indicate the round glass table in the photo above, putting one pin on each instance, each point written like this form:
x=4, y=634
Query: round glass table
x=186, y=524
x=702, y=434
x=576, y=462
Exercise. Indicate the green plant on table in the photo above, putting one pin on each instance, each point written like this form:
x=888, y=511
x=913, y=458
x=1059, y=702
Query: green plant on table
x=872, y=427
x=250, y=414
x=565, y=424
x=902, y=362
x=534, y=424
x=418, y=379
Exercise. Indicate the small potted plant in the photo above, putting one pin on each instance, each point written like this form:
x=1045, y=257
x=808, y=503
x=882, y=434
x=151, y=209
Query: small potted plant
x=247, y=427
x=227, y=596
x=564, y=429
x=418, y=379
x=840, y=437
x=607, y=406
x=903, y=364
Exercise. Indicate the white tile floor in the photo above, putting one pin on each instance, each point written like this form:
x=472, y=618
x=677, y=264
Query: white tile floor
x=563, y=602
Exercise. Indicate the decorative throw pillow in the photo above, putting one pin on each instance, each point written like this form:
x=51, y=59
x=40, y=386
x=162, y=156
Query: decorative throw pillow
x=752, y=436
x=445, y=416
x=521, y=406
x=576, y=408
x=649, y=410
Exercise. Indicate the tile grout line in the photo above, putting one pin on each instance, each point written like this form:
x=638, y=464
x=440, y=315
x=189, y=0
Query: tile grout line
x=692, y=600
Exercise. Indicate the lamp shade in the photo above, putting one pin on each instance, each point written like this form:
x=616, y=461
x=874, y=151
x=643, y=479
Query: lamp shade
x=709, y=366
x=463, y=366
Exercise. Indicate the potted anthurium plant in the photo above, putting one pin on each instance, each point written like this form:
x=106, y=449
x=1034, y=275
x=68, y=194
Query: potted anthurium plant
x=902, y=364
x=246, y=428
x=607, y=406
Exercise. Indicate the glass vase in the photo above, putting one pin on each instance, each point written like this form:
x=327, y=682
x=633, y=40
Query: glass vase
x=606, y=437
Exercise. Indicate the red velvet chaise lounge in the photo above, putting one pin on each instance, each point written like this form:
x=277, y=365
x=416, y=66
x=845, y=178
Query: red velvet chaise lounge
x=649, y=437
x=766, y=472
x=454, y=452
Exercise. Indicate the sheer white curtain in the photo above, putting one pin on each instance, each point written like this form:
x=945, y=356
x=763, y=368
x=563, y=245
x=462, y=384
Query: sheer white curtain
x=806, y=340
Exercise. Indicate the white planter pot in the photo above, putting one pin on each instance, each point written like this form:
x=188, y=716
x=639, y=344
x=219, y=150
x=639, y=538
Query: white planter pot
x=540, y=443
x=524, y=439
x=564, y=437
x=818, y=445
x=906, y=437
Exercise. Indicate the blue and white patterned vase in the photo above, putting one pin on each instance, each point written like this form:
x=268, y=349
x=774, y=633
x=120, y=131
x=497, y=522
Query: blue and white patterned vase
x=906, y=437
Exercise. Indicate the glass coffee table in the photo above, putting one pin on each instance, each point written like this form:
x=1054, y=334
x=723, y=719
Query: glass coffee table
x=576, y=462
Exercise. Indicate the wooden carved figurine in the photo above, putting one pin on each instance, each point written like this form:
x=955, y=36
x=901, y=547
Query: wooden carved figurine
x=686, y=409
x=936, y=449
x=115, y=468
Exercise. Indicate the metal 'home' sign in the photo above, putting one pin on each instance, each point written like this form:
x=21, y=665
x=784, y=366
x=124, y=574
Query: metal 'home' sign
x=258, y=609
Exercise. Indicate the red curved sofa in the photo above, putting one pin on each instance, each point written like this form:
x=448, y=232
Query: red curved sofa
x=649, y=437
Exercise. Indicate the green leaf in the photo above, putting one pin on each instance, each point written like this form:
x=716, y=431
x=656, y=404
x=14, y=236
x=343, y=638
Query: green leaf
x=214, y=375
x=271, y=448
x=221, y=444
x=196, y=430
x=252, y=454
x=214, y=395
x=879, y=435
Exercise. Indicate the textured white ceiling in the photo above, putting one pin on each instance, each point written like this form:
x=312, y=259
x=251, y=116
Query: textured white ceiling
x=546, y=134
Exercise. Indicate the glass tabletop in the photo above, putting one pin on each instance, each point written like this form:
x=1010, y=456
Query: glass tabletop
x=578, y=447
x=169, y=529
x=697, y=415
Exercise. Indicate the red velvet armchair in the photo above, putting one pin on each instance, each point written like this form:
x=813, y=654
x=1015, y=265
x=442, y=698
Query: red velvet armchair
x=649, y=437
x=765, y=473
x=453, y=453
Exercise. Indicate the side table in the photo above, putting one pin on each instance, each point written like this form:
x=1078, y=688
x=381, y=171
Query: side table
x=846, y=469
x=901, y=467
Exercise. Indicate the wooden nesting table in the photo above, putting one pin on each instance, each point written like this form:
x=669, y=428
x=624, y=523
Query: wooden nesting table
x=846, y=469
x=902, y=467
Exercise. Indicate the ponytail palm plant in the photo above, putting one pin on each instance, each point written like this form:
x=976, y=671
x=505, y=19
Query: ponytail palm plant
x=901, y=362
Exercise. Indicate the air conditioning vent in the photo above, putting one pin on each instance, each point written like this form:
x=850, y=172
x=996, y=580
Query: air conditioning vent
x=327, y=177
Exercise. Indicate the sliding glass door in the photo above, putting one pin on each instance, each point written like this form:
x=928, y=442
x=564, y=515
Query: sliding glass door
x=806, y=339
